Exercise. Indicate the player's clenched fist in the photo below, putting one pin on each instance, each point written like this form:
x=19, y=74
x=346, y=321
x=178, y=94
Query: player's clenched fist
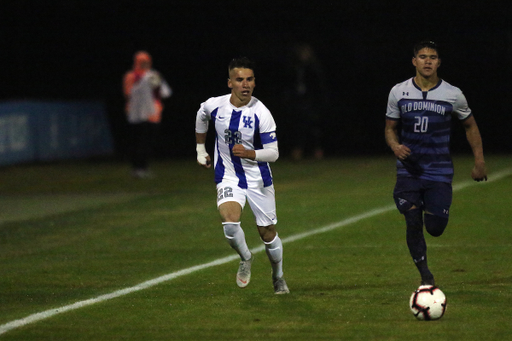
x=202, y=156
x=240, y=151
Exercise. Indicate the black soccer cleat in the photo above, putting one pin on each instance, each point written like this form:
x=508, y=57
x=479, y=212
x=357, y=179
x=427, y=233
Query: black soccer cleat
x=428, y=281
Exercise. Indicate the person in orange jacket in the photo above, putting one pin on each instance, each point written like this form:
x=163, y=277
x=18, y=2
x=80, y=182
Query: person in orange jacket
x=144, y=88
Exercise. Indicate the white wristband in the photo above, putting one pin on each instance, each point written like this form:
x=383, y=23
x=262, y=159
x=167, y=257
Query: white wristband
x=201, y=153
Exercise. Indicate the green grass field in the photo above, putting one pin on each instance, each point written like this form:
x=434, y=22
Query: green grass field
x=75, y=231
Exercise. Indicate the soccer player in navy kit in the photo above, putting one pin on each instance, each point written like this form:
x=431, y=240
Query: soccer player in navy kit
x=425, y=105
x=245, y=143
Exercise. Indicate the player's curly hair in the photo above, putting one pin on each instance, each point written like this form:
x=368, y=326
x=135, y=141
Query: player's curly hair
x=425, y=43
x=241, y=62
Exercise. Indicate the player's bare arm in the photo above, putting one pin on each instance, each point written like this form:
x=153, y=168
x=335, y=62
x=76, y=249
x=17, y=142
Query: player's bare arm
x=240, y=151
x=391, y=133
x=479, y=172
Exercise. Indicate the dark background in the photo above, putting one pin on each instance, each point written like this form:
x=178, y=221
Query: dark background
x=76, y=50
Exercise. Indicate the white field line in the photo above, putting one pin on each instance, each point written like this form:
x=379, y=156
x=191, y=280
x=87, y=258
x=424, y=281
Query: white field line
x=144, y=285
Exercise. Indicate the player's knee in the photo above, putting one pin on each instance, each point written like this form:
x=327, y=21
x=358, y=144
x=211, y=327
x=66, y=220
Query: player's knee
x=403, y=205
x=267, y=233
x=230, y=211
x=413, y=218
x=231, y=229
x=435, y=225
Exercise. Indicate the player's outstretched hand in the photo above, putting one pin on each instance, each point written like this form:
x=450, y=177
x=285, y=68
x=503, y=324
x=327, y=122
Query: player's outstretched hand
x=479, y=172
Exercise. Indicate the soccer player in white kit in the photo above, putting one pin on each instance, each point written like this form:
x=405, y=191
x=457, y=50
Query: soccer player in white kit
x=245, y=142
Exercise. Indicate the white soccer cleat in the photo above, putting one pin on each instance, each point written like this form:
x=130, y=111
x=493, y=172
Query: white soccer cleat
x=243, y=276
x=280, y=286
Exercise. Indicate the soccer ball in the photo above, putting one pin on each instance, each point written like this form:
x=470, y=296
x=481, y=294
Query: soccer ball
x=428, y=303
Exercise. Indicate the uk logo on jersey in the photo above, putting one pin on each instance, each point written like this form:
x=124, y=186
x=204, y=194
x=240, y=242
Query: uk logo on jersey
x=273, y=136
x=248, y=122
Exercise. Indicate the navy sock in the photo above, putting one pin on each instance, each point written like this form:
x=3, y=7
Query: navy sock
x=416, y=242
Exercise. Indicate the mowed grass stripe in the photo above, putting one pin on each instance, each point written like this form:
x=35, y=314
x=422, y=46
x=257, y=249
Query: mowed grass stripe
x=374, y=212
x=24, y=207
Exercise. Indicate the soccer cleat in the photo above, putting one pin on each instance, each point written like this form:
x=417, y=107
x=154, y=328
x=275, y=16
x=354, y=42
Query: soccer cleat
x=280, y=286
x=428, y=281
x=243, y=276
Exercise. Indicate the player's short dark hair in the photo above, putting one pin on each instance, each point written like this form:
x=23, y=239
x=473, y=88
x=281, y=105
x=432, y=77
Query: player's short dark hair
x=241, y=62
x=425, y=43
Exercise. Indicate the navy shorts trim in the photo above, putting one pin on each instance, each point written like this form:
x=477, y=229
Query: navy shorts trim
x=431, y=196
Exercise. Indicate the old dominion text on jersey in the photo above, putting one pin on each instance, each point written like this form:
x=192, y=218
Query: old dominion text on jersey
x=432, y=106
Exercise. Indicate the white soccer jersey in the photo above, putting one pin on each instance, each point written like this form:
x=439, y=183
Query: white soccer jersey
x=251, y=125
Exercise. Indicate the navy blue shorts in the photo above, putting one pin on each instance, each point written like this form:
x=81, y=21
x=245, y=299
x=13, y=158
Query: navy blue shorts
x=431, y=196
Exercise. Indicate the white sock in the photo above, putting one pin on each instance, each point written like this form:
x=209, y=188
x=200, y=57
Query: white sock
x=236, y=239
x=274, y=251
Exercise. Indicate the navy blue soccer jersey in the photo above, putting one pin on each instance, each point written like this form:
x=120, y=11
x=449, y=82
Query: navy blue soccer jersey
x=426, y=127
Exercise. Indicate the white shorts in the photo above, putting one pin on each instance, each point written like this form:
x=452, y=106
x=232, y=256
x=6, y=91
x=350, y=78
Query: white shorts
x=262, y=200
